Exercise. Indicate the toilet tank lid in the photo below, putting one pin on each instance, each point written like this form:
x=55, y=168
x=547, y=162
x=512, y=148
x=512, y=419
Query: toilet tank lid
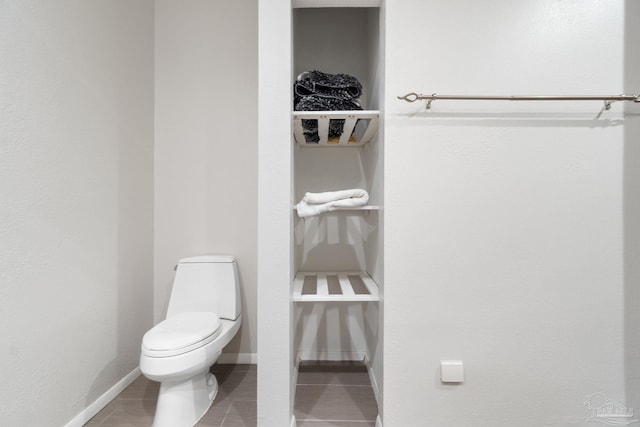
x=208, y=259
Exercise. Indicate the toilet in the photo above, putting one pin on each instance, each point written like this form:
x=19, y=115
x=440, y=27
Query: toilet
x=202, y=317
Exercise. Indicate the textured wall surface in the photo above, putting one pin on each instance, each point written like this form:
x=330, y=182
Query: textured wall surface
x=76, y=200
x=206, y=158
x=632, y=207
x=275, y=263
x=504, y=242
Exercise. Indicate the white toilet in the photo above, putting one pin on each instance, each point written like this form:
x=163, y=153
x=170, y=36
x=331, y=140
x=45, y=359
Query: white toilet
x=203, y=316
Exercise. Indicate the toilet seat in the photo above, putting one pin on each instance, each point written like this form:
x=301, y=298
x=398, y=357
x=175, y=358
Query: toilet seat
x=181, y=333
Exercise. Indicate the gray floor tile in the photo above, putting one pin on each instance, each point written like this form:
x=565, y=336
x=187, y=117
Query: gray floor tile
x=231, y=389
x=127, y=422
x=98, y=418
x=333, y=366
x=215, y=415
x=134, y=408
x=335, y=424
x=141, y=388
x=335, y=395
x=136, y=404
x=242, y=414
x=234, y=368
x=127, y=412
x=337, y=373
x=334, y=402
x=237, y=386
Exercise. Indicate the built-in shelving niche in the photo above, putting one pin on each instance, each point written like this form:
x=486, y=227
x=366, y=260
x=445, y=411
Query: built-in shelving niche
x=338, y=256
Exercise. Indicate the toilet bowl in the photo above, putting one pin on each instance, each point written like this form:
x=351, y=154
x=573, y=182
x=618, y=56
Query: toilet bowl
x=203, y=316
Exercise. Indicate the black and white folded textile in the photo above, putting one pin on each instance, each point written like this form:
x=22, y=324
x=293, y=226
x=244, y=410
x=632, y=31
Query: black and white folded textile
x=341, y=86
x=318, y=91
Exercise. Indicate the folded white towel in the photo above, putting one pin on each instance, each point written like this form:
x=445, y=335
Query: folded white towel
x=317, y=203
x=331, y=196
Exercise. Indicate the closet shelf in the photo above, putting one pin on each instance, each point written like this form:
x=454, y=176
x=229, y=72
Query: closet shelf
x=359, y=127
x=334, y=287
x=336, y=3
x=365, y=209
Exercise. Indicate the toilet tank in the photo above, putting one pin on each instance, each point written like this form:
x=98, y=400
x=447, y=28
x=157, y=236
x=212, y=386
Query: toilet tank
x=206, y=283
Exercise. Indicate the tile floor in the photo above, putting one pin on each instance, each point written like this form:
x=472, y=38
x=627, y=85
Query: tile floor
x=334, y=395
x=328, y=395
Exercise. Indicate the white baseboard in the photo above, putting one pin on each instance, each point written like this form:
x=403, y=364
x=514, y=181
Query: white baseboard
x=378, y=421
x=293, y=421
x=333, y=356
x=102, y=401
x=374, y=382
x=238, y=359
x=294, y=376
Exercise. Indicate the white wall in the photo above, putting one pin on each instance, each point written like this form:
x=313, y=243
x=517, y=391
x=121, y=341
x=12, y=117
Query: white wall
x=206, y=113
x=275, y=260
x=76, y=235
x=632, y=207
x=504, y=221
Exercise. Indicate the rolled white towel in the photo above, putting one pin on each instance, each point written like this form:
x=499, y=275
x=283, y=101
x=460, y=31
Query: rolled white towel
x=331, y=196
x=317, y=203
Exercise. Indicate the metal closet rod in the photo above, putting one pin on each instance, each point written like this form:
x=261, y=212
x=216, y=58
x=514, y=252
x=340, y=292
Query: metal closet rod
x=411, y=97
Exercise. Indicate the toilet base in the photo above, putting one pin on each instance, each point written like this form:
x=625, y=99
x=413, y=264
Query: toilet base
x=183, y=403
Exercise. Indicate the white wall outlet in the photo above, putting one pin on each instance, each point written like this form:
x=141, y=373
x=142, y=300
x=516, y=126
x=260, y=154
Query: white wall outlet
x=451, y=371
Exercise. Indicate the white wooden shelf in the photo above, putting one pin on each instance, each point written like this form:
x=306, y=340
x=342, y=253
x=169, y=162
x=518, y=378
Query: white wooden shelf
x=336, y=286
x=359, y=127
x=365, y=209
x=336, y=3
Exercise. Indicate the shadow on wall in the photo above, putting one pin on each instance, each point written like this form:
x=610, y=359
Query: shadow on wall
x=134, y=267
x=632, y=207
x=234, y=346
x=333, y=331
x=344, y=239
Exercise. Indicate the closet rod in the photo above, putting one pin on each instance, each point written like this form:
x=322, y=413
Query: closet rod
x=411, y=97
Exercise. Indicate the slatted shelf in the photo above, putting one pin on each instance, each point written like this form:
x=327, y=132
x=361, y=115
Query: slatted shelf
x=365, y=209
x=334, y=286
x=359, y=127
